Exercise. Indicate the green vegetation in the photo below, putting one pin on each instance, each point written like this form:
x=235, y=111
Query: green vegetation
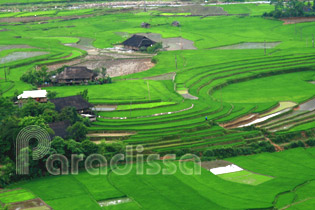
x=292, y=8
x=245, y=177
x=287, y=87
x=205, y=191
x=63, y=40
x=12, y=196
x=144, y=106
x=122, y=91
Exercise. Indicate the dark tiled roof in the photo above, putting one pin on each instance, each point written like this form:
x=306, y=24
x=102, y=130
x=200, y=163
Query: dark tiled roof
x=60, y=128
x=76, y=72
x=138, y=41
x=78, y=102
x=145, y=25
x=175, y=23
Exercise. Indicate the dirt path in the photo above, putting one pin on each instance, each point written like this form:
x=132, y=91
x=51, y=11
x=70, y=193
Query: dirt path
x=56, y=66
x=293, y=20
x=292, y=204
x=277, y=147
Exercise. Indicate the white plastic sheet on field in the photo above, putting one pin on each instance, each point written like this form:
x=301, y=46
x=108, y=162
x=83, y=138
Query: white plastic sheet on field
x=265, y=118
x=226, y=169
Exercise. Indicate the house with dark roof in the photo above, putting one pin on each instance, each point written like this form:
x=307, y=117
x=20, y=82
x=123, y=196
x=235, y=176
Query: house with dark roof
x=78, y=102
x=75, y=75
x=175, y=23
x=137, y=41
x=145, y=25
x=60, y=128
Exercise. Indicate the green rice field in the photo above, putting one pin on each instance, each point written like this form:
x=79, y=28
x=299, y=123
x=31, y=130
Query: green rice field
x=204, y=191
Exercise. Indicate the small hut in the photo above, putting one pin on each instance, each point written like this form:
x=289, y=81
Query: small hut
x=176, y=24
x=145, y=25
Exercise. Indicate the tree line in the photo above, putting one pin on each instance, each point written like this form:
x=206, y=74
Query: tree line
x=291, y=8
x=13, y=119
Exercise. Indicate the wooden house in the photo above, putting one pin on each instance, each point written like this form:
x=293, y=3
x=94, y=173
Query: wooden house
x=137, y=41
x=37, y=95
x=60, y=128
x=78, y=102
x=75, y=75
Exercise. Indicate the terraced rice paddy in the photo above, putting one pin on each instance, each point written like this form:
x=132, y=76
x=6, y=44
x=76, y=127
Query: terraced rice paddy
x=245, y=177
x=221, y=89
x=249, y=46
x=201, y=99
x=19, y=56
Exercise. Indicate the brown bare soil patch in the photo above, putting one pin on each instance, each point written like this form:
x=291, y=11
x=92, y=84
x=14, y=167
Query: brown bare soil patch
x=214, y=164
x=277, y=147
x=119, y=67
x=36, y=203
x=53, y=67
x=107, y=142
x=116, y=62
x=293, y=20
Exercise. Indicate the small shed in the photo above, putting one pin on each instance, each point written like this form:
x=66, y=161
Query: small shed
x=75, y=75
x=176, y=24
x=78, y=102
x=145, y=25
x=137, y=41
x=38, y=95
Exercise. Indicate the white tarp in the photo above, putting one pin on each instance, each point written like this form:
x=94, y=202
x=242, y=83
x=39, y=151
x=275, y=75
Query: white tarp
x=33, y=94
x=226, y=169
x=265, y=118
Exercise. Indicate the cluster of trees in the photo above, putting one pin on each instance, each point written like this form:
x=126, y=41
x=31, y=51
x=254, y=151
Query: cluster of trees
x=290, y=136
x=14, y=119
x=37, y=77
x=291, y=8
x=103, y=76
x=153, y=49
x=295, y=144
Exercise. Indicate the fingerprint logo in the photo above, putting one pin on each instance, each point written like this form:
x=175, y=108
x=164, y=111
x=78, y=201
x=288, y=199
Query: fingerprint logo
x=22, y=147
